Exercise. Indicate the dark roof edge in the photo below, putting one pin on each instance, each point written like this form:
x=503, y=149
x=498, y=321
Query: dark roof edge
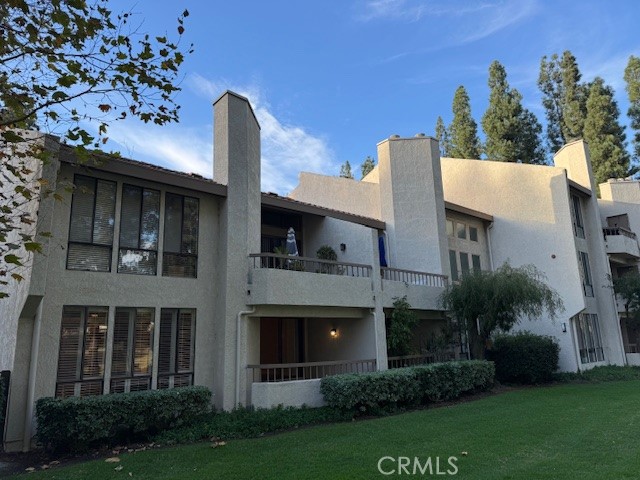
x=467, y=211
x=277, y=201
x=580, y=188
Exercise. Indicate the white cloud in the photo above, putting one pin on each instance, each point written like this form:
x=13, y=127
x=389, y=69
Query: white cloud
x=175, y=147
x=286, y=149
x=404, y=10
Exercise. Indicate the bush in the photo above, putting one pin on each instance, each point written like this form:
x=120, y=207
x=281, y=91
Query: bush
x=377, y=392
x=524, y=358
x=74, y=424
x=248, y=422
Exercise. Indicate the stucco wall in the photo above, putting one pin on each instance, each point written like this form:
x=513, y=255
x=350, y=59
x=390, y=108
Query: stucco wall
x=532, y=225
x=344, y=194
x=287, y=394
x=319, y=231
x=355, y=339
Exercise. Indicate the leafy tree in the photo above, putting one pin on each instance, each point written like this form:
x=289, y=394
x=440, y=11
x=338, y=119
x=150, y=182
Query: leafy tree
x=69, y=68
x=603, y=133
x=485, y=302
x=512, y=132
x=400, y=328
x=345, y=170
x=367, y=166
x=463, y=131
x=442, y=135
x=628, y=287
x=632, y=79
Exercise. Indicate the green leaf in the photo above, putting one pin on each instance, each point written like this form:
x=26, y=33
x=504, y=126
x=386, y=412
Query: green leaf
x=12, y=259
x=33, y=247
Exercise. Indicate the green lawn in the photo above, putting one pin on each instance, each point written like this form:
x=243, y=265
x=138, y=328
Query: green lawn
x=581, y=431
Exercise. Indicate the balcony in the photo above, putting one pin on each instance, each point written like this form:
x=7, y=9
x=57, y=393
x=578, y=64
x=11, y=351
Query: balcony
x=422, y=289
x=276, y=279
x=621, y=245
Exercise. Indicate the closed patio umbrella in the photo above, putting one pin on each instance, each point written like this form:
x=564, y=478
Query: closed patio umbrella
x=291, y=246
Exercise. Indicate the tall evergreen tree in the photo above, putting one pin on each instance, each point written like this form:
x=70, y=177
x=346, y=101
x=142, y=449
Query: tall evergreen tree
x=632, y=78
x=531, y=149
x=463, y=131
x=512, y=132
x=552, y=88
x=345, y=170
x=442, y=135
x=603, y=133
x=367, y=166
x=574, y=98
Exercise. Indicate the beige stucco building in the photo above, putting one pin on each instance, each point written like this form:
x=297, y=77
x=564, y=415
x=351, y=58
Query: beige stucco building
x=155, y=278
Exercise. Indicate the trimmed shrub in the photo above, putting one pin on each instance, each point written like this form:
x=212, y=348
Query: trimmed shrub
x=524, y=358
x=75, y=424
x=248, y=423
x=377, y=392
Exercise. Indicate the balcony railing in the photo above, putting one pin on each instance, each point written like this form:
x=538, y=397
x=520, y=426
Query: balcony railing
x=414, y=278
x=618, y=231
x=312, y=265
x=284, y=372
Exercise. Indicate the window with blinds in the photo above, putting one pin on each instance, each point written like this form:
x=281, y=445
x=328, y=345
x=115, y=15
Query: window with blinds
x=83, y=338
x=176, y=349
x=132, y=354
x=139, y=229
x=180, y=256
x=91, y=225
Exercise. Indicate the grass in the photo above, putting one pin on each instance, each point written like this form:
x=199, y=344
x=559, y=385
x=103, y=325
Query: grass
x=574, y=431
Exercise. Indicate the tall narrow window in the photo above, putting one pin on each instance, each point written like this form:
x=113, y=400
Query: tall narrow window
x=180, y=257
x=589, y=339
x=587, y=283
x=139, y=225
x=454, y=265
x=475, y=261
x=132, y=350
x=464, y=263
x=176, y=350
x=450, y=228
x=576, y=210
x=91, y=226
x=461, y=230
x=473, y=234
x=83, y=337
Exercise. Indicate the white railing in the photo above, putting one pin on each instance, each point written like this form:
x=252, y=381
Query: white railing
x=413, y=277
x=284, y=372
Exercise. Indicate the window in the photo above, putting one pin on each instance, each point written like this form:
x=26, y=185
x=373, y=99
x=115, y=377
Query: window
x=475, y=261
x=461, y=230
x=576, y=212
x=473, y=234
x=83, y=337
x=589, y=341
x=176, y=350
x=91, y=226
x=180, y=257
x=454, y=265
x=450, y=228
x=464, y=263
x=139, y=225
x=132, y=354
x=586, y=274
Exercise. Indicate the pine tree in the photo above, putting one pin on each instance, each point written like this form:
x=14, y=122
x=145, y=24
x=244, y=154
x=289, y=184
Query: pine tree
x=345, y=170
x=603, y=133
x=442, y=135
x=463, y=131
x=552, y=88
x=367, y=166
x=632, y=78
x=512, y=132
x=531, y=149
x=574, y=98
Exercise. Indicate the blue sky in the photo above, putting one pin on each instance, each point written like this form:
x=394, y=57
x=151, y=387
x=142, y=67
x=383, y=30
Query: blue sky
x=329, y=80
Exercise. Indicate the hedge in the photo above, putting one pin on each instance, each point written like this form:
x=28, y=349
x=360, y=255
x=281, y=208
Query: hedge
x=524, y=358
x=75, y=424
x=404, y=387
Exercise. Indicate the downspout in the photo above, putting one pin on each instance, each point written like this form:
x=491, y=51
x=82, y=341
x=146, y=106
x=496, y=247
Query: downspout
x=238, y=323
x=489, y=228
x=31, y=388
